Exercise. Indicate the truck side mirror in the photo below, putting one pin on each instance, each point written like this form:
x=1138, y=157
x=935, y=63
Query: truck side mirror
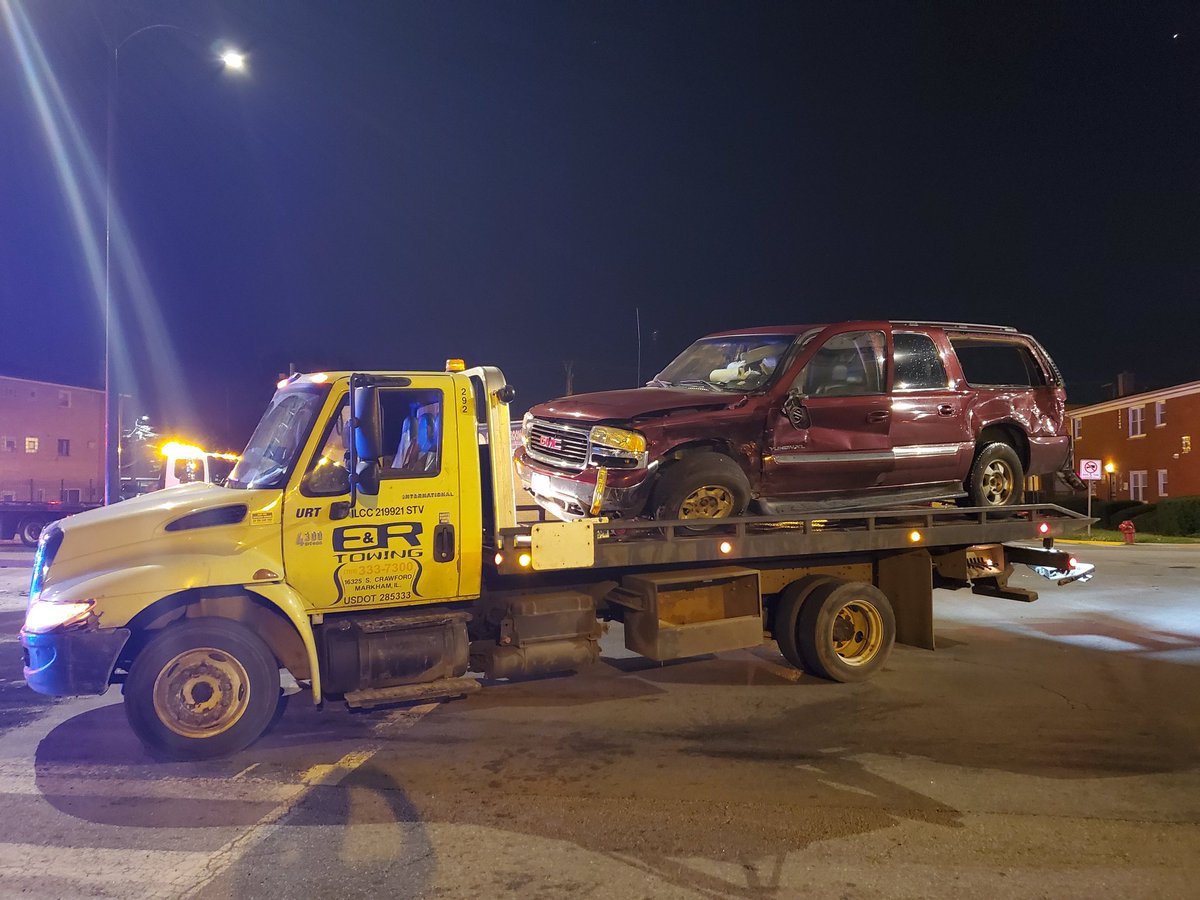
x=367, y=480
x=368, y=441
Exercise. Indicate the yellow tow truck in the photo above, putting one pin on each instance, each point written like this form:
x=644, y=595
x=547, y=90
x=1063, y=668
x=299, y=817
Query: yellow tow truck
x=368, y=542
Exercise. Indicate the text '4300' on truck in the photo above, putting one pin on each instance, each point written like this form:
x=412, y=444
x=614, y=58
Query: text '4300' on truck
x=367, y=541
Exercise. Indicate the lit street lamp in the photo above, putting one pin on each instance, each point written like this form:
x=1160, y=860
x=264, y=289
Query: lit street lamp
x=232, y=60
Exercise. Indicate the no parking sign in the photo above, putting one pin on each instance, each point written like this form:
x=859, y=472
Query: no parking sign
x=1091, y=469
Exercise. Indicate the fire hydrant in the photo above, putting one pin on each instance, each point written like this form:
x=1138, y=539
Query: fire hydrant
x=1127, y=529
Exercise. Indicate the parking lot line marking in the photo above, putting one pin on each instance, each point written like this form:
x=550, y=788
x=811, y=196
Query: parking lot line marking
x=192, y=879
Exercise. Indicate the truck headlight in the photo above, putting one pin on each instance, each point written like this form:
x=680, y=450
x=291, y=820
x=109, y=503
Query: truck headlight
x=43, y=616
x=619, y=439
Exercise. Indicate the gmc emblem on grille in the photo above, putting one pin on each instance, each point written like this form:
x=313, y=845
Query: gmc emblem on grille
x=547, y=441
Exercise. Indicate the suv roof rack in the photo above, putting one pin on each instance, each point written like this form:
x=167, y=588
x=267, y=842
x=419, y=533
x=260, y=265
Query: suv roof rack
x=964, y=326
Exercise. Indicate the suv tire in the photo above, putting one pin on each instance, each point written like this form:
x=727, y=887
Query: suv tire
x=997, y=477
x=701, y=486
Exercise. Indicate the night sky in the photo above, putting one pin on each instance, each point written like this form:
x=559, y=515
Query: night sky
x=512, y=182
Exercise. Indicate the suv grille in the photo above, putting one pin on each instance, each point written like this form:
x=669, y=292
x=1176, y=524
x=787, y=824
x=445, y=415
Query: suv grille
x=564, y=446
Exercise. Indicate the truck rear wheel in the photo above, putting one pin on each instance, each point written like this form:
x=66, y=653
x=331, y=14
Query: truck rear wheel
x=846, y=631
x=701, y=486
x=202, y=688
x=29, y=530
x=786, y=621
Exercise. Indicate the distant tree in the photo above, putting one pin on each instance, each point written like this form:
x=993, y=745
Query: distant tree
x=569, y=372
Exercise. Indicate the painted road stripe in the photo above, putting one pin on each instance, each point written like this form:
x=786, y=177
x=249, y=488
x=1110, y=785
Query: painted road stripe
x=191, y=879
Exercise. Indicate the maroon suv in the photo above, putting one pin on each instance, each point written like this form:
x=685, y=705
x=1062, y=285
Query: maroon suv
x=806, y=417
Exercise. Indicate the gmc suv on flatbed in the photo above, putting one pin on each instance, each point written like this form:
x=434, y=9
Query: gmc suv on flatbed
x=805, y=417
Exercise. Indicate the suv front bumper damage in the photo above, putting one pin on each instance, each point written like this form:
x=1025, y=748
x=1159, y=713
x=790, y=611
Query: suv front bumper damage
x=74, y=662
x=570, y=496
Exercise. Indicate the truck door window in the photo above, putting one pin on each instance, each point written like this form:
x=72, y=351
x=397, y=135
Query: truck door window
x=918, y=363
x=412, y=432
x=846, y=365
x=328, y=471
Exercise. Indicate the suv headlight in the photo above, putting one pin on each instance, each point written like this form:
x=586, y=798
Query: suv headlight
x=619, y=439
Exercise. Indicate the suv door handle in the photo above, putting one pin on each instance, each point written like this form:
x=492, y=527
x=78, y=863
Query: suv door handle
x=878, y=415
x=945, y=410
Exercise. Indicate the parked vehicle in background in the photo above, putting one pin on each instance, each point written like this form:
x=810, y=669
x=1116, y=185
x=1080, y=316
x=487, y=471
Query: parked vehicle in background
x=805, y=417
x=25, y=519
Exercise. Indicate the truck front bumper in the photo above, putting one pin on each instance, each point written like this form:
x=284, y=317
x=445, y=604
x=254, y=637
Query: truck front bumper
x=73, y=662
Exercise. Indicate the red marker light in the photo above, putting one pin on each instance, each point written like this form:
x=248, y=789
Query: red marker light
x=1072, y=562
x=1044, y=527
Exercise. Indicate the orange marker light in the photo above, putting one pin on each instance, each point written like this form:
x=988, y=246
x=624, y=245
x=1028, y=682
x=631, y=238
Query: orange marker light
x=914, y=536
x=524, y=560
x=726, y=547
x=281, y=383
x=456, y=365
x=499, y=558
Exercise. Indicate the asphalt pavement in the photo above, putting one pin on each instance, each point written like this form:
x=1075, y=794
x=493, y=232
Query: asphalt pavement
x=1044, y=750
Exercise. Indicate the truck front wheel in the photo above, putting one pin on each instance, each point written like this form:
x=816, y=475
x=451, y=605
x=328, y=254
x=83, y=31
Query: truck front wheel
x=845, y=630
x=202, y=688
x=29, y=530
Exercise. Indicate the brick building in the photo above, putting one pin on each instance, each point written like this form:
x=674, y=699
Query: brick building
x=1147, y=440
x=51, y=441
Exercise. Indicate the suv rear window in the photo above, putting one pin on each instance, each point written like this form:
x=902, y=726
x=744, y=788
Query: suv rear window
x=997, y=363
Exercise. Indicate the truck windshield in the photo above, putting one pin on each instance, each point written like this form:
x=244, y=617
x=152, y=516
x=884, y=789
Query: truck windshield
x=737, y=363
x=278, y=439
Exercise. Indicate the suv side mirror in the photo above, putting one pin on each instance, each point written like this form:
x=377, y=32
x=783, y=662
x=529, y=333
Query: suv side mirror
x=796, y=411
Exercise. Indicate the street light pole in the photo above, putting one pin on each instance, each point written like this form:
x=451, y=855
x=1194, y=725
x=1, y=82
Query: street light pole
x=231, y=59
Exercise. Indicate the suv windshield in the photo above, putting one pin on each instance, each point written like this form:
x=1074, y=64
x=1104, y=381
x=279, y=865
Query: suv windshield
x=738, y=363
x=278, y=439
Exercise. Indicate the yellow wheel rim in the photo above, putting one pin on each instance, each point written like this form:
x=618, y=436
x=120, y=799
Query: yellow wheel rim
x=857, y=633
x=998, y=483
x=201, y=693
x=708, y=502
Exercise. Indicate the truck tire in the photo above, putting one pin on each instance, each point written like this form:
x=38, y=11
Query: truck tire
x=30, y=529
x=845, y=631
x=786, y=620
x=997, y=477
x=701, y=486
x=202, y=688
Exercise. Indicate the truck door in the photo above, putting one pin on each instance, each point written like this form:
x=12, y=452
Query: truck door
x=832, y=433
x=400, y=546
x=930, y=432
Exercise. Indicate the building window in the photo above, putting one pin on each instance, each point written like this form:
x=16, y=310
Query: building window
x=1162, y=482
x=72, y=495
x=1136, y=428
x=31, y=445
x=64, y=399
x=8, y=445
x=1186, y=443
x=1077, y=427
x=8, y=495
x=1137, y=486
x=64, y=447
x=1160, y=413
